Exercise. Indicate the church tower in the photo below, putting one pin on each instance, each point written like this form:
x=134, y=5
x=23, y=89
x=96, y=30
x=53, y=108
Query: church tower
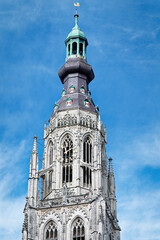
x=77, y=199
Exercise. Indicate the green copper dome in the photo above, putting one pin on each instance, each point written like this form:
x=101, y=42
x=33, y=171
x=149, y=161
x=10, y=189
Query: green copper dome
x=76, y=42
x=76, y=31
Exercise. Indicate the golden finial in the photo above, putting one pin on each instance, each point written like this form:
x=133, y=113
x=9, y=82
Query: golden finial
x=76, y=5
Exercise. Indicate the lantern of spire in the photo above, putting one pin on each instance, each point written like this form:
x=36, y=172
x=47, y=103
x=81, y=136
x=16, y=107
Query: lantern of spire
x=76, y=42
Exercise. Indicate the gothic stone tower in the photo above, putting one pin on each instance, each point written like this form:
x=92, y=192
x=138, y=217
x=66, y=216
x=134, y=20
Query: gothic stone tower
x=77, y=192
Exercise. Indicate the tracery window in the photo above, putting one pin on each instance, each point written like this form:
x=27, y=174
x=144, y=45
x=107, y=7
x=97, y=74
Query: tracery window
x=50, y=153
x=87, y=158
x=51, y=231
x=87, y=150
x=78, y=230
x=67, y=159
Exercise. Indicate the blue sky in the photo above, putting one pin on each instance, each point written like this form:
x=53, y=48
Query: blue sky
x=124, y=51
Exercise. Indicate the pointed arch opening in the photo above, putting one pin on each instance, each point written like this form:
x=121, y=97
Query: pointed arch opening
x=50, y=232
x=78, y=229
x=87, y=150
x=67, y=151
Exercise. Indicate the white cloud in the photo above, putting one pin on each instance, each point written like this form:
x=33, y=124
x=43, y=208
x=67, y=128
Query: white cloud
x=11, y=218
x=138, y=194
x=9, y=156
x=11, y=207
x=137, y=150
x=139, y=217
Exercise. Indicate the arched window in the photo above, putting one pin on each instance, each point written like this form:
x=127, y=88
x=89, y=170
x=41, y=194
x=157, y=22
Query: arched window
x=67, y=159
x=50, y=153
x=74, y=48
x=81, y=49
x=87, y=150
x=87, y=158
x=50, y=232
x=78, y=230
x=69, y=46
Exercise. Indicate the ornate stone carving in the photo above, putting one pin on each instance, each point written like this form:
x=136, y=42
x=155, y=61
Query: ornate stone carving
x=67, y=120
x=25, y=224
x=51, y=127
x=87, y=121
x=51, y=214
x=75, y=211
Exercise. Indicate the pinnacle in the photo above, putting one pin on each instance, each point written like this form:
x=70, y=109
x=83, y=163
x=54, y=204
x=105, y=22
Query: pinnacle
x=34, y=144
x=110, y=166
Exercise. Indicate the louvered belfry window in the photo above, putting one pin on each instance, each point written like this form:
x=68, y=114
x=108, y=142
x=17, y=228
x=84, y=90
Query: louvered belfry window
x=67, y=159
x=51, y=232
x=78, y=230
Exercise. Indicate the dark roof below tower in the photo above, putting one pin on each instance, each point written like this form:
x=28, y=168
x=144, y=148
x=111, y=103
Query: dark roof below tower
x=75, y=74
x=76, y=65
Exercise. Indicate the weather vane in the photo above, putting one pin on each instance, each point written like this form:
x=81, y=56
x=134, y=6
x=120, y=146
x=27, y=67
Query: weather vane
x=76, y=6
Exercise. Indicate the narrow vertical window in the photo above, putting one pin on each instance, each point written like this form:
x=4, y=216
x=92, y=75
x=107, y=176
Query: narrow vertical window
x=51, y=231
x=74, y=48
x=78, y=230
x=87, y=150
x=69, y=49
x=50, y=181
x=87, y=158
x=50, y=153
x=67, y=159
x=43, y=187
x=81, y=49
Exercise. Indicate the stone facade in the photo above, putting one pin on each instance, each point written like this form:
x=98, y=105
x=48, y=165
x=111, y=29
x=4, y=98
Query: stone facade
x=77, y=199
